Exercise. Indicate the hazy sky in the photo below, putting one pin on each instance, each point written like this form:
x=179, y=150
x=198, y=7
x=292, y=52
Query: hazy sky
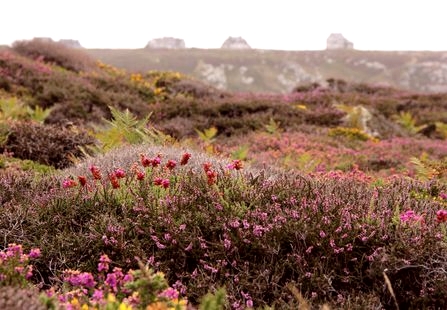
x=265, y=24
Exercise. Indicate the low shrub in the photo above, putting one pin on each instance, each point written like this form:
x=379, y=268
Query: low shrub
x=45, y=144
x=54, y=53
x=205, y=226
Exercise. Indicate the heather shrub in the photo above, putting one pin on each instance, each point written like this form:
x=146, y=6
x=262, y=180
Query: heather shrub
x=19, y=298
x=54, y=53
x=206, y=226
x=45, y=144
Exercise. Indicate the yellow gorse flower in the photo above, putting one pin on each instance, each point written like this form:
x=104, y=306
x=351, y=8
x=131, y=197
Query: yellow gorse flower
x=124, y=306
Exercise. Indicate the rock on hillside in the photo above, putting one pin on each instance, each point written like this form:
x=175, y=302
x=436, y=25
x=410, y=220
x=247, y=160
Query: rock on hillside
x=166, y=43
x=235, y=43
x=336, y=41
x=70, y=43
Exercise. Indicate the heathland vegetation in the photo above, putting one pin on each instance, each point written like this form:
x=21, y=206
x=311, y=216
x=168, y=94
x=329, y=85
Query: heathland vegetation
x=124, y=190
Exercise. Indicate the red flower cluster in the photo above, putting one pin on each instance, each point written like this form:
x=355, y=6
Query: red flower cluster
x=69, y=183
x=96, y=173
x=161, y=182
x=140, y=175
x=171, y=164
x=211, y=174
x=185, y=159
x=82, y=180
x=146, y=162
x=114, y=180
x=236, y=165
x=441, y=216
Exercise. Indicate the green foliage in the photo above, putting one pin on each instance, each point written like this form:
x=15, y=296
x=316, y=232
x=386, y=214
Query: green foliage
x=305, y=162
x=126, y=128
x=353, y=134
x=273, y=127
x=39, y=114
x=216, y=301
x=4, y=133
x=406, y=120
x=208, y=135
x=427, y=169
x=441, y=128
x=241, y=153
x=12, y=109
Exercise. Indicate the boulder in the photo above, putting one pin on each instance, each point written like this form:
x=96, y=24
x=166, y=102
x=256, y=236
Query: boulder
x=235, y=43
x=70, y=43
x=336, y=41
x=166, y=42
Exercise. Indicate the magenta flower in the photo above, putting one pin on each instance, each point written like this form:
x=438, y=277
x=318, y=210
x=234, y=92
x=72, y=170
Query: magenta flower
x=98, y=295
x=411, y=216
x=235, y=165
x=68, y=183
x=169, y=293
x=120, y=173
x=34, y=253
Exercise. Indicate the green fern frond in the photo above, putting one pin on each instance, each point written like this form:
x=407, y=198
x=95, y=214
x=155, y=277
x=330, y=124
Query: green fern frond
x=207, y=135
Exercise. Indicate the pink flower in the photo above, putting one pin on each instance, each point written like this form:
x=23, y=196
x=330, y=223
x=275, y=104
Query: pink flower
x=156, y=161
x=411, y=216
x=104, y=261
x=165, y=183
x=236, y=165
x=169, y=293
x=120, y=173
x=34, y=253
x=69, y=183
x=98, y=295
x=322, y=234
x=146, y=162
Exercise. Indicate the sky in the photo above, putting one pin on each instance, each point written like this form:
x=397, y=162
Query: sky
x=264, y=24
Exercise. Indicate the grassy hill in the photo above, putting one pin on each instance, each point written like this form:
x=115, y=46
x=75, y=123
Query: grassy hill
x=126, y=190
x=280, y=71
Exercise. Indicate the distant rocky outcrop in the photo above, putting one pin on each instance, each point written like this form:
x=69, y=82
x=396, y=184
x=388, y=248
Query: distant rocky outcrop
x=336, y=41
x=166, y=42
x=235, y=43
x=70, y=43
